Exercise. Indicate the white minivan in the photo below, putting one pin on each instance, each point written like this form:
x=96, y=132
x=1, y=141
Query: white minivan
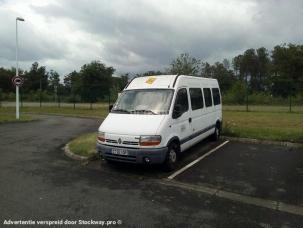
x=156, y=118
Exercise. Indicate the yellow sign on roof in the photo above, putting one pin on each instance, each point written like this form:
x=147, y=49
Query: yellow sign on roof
x=150, y=80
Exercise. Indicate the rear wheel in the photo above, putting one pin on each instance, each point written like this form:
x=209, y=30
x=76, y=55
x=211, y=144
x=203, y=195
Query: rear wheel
x=171, y=157
x=217, y=132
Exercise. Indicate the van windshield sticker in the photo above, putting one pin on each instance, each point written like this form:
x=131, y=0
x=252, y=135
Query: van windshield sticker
x=150, y=80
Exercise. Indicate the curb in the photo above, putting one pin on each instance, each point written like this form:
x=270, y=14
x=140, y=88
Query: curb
x=71, y=155
x=266, y=142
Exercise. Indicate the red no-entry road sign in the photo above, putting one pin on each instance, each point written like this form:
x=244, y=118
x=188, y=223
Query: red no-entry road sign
x=17, y=81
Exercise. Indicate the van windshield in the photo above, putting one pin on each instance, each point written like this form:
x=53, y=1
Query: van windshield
x=144, y=101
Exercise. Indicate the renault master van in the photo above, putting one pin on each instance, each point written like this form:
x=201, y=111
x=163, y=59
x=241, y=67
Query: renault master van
x=156, y=118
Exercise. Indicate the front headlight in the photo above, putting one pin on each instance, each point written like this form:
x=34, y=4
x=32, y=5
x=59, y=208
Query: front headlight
x=101, y=136
x=150, y=140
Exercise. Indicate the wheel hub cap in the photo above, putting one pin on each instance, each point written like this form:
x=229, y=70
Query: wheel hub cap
x=173, y=156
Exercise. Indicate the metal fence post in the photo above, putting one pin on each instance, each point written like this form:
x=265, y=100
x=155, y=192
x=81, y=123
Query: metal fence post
x=91, y=100
x=40, y=92
x=246, y=94
x=290, y=94
x=290, y=103
x=59, y=105
x=109, y=98
x=0, y=97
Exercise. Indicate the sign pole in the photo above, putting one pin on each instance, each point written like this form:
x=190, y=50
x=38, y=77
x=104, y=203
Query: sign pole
x=17, y=73
x=17, y=102
x=17, y=78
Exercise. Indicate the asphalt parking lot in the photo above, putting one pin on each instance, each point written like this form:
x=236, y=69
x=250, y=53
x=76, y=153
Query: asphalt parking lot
x=263, y=171
x=240, y=184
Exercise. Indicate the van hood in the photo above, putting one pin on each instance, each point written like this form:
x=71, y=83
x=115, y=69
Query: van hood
x=131, y=124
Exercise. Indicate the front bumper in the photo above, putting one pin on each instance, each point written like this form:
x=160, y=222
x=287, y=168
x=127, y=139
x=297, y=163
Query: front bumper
x=155, y=155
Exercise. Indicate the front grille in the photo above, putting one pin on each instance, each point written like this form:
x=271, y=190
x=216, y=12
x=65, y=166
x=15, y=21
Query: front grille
x=116, y=157
x=130, y=143
x=111, y=141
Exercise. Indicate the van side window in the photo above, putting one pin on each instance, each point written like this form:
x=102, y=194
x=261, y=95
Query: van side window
x=216, y=96
x=182, y=101
x=207, y=96
x=196, y=98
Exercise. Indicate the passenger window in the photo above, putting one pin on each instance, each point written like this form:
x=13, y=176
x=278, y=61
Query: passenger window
x=216, y=96
x=196, y=98
x=207, y=97
x=181, y=104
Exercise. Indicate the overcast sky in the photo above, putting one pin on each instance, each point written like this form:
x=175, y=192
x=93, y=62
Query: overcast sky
x=135, y=36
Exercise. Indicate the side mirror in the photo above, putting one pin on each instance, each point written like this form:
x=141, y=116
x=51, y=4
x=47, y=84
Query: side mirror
x=177, y=111
x=110, y=107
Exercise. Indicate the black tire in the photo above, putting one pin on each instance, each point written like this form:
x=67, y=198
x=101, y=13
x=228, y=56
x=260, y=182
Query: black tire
x=172, y=156
x=110, y=162
x=217, y=133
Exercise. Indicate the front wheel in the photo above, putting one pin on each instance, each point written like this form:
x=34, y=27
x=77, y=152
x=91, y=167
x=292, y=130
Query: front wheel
x=217, y=133
x=171, y=158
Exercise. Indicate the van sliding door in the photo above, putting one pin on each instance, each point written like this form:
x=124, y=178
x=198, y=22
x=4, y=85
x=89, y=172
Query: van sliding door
x=182, y=121
x=209, y=109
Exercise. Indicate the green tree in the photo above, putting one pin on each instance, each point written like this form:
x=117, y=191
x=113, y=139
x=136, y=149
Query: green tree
x=36, y=77
x=237, y=67
x=95, y=81
x=287, y=67
x=225, y=77
x=250, y=67
x=264, y=65
x=226, y=64
x=118, y=84
x=150, y=73
x=123, y=81
x=185, y=64
x=206, y=70
x=5, y=79
x=54, y=85
x=54, y=79
x=72, y=82
x=253, y=66
x=237, y=94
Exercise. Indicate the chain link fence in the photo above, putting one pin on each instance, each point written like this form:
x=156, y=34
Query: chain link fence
x=238, y=101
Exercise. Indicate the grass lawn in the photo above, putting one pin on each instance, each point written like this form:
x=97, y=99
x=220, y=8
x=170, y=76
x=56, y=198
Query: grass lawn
x=257, y=125
x=265, y=122
x=66, y=111
x=5, y=118
x=85, y=145
x=263, y=108
x=280, y=126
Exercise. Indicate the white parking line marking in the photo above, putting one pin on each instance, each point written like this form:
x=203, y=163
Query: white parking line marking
x=259, y=202
x=195, y=161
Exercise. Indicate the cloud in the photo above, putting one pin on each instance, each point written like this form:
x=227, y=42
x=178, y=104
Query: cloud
x=138, y=35
x=34, y=43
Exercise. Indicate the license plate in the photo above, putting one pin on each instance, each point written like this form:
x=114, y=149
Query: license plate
x=119, y=151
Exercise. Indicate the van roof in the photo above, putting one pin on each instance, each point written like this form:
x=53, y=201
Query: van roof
x=160, y=81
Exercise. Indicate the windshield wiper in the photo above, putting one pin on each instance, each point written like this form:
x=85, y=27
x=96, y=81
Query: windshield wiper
x=143, y=110
x=120, y=110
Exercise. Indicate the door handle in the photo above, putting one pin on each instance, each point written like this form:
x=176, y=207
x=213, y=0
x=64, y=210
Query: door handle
x=189, y=120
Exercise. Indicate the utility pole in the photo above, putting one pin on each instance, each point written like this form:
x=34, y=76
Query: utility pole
x=40, y=90
x=246, y=93
x=17, y=69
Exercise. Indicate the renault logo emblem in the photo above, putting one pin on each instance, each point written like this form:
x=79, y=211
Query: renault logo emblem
x=119, y=141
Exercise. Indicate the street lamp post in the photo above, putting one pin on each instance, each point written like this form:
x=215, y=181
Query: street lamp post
x=17, y=70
